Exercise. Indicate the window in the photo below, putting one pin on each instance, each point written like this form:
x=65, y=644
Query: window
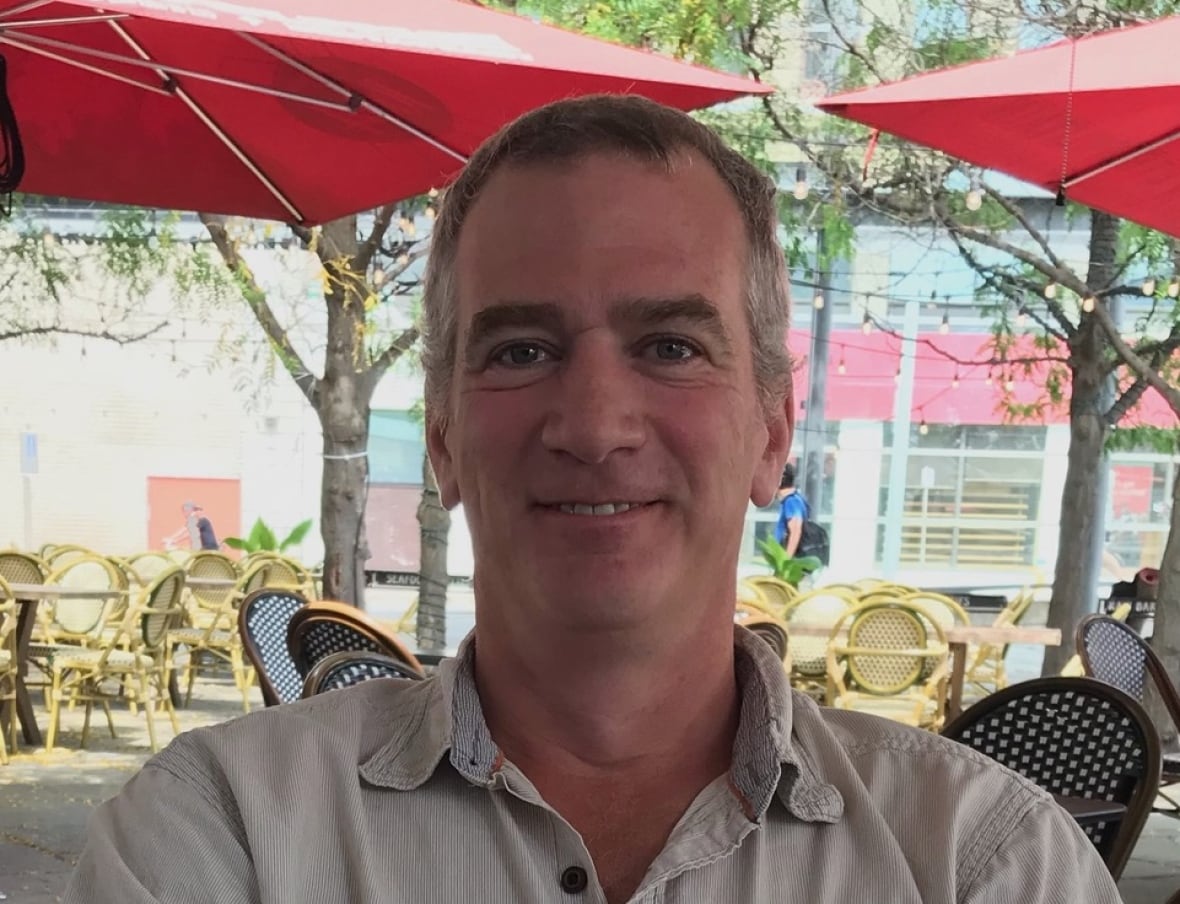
x=396, y=447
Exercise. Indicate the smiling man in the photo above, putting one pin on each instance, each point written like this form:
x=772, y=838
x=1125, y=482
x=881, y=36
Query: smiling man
x=607, y=391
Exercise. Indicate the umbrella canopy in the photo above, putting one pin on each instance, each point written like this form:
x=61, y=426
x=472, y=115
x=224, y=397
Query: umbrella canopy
x=297, y=110
x=1097, y=118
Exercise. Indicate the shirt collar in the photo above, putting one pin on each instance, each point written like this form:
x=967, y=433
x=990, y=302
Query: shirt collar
x=443, y=715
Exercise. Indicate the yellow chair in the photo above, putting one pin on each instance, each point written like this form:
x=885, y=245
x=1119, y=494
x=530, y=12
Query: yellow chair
x=8, y=666
x=778, y=593
x=985, y=673
x=880, y=666
x=821, y=607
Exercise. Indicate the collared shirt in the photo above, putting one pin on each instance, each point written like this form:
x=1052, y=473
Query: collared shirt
x=394, y=791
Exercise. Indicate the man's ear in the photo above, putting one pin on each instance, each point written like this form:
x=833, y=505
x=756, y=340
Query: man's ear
x=780, y=428
x=442, y=461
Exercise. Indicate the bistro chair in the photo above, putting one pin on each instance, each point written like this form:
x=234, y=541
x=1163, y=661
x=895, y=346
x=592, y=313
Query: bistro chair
x=348, y=667
x=80, y=620
x=146, y=565
x=133, y=662
x=1074, y=737
x=986, y=672
x=263, y=620
x=1114, y=653
x=821, y=607
x=777, y=592
x=890, y=660
x=21, y=567
x=323, y=628
x=9, y=668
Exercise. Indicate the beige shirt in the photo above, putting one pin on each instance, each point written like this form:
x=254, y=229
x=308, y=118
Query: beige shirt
x=393, y=791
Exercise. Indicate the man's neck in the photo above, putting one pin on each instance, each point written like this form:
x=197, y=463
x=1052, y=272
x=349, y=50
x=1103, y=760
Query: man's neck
x=620, y=746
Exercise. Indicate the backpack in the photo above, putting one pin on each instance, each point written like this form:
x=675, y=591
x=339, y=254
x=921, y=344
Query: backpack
x=814, y=539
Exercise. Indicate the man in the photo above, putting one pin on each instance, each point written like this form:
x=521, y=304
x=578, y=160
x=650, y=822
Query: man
x=607, y=389
x=197, y=529
x=791, y=514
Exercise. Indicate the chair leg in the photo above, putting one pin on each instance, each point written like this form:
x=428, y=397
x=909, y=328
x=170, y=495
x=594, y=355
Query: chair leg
x=190, y=674
x=147, y=712
x=241, y=679
x=106, y=708
x=54, y=710
x=86, y=722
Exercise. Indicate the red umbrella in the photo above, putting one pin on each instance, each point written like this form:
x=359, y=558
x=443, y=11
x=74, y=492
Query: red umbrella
x=298, y=110
x=1097, y=118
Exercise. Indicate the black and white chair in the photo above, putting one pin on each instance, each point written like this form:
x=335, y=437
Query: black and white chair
x=263, y=620
x=325, y=627
x=344, y=669
x=1079, y=739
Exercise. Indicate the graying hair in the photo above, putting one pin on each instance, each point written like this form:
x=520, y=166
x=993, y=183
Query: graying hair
x=640, y=128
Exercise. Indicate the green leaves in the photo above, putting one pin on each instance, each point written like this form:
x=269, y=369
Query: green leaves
x=262, y=538
x=783, y=566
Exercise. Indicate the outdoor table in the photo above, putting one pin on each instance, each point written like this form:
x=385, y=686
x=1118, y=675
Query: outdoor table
x=209, y=583
x=27, y=598
x=1087, y=812
x=957, y=638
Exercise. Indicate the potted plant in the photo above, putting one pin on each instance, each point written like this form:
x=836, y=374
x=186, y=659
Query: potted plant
x=784, y=567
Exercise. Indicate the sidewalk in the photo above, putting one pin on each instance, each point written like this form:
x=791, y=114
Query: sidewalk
x=45, y=799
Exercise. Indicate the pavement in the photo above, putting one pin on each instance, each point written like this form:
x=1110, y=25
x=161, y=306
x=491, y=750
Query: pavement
x=46, y=797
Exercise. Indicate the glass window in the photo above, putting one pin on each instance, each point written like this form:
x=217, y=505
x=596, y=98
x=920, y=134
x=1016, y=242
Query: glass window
x=396, y=448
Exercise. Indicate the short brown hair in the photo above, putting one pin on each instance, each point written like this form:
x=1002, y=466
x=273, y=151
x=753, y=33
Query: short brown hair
x=638, y=127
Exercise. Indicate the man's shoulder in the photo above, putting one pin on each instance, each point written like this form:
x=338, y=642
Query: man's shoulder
x=892, y=758
x=346, y=726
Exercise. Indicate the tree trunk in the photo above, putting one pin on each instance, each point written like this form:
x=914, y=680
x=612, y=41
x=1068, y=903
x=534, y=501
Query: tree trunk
x=1075, y=577
x=1166, y=636
x=342, y=402
x=435, y=524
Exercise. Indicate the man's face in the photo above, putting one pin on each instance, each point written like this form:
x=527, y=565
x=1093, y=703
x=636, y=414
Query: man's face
x=605, y=433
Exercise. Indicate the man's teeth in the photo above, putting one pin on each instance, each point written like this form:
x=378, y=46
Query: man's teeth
x=609, y=508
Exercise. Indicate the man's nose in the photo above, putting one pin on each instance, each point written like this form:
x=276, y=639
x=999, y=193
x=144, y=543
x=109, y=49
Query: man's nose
x=595, y=408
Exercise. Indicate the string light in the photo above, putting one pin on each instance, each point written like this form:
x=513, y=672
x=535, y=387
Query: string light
x=1021, y=317
x=945, y=326
x=1149, y=286
x=1009, y=382
x=955, y=378
x=897, y=376
x=430, y=212
x=1051, y=290
x=433, y=193
x=801, y=187
x=923, y=427
x=1174, y=288
x=378, y=276
x=990, y=378
x=866, y=325
x=841, y=368
x=1089, y=303
x=818, y=301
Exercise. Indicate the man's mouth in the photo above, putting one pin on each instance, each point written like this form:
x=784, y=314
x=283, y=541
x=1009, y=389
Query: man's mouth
x=598, y=508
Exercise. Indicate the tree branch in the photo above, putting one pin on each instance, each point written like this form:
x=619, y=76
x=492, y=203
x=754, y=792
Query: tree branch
x=105, y=335
x=381, y=221
x=402, y=344
x=1125, y=402
x=255, y=298
x=1142, y=369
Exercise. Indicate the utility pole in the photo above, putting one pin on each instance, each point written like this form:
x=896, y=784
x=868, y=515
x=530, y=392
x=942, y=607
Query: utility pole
x=903, y=401
x=815, y=423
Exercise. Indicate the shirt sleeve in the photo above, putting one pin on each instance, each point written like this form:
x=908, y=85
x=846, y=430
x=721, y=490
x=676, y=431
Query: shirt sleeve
x=1045, y=859
x=164, y=839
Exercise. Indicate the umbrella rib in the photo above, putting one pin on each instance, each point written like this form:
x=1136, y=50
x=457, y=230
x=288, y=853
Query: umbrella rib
x=24, y=8
x=354, y=100
x=233, y=147
x=70, y=20
x=1126, y=157
x=158, y=68
x=28, y=48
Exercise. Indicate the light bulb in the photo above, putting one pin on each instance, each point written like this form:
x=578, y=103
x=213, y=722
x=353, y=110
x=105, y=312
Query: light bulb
x=1089, y=303
x=405, y=224
x=974, y=199
x=1009, y=383
x=403, y=259
x=430, y=212
x=801, y=189
x=433, y=193
x=990, y=379
x=1149, y=286
x=955, y=380
x=945, y=326
x=897, y=376
x=378, y=276
x=1174, y=288
x=923, y=427
x=1021, y=318
x=1051, y=290
x=841, y=369
x=818, y=301
x=866, y=325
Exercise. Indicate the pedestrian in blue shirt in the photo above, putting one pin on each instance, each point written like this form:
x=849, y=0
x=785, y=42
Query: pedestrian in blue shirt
x=792, y=512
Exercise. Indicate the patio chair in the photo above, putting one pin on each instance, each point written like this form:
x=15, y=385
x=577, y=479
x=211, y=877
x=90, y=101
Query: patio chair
x=1074, y=668
x=212, y=636
x=133, y=663
x=1113, y=652
x=346, y=668
x=323, y=628
x=8, y=669
x=986, y=672
x=146, y=565
x=63, y=553
x=21, y=567
x=752, y=598
x=777, y=592
x=80, y=621
x=820, y=607
x=1075, y=737
x=263, y=619
x=881, y=666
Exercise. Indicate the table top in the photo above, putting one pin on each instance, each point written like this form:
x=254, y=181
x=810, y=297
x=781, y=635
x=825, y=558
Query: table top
x=30, y=592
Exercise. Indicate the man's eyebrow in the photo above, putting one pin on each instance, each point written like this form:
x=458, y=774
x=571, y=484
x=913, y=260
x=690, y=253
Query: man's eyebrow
x=501, y=316
x=693, y=308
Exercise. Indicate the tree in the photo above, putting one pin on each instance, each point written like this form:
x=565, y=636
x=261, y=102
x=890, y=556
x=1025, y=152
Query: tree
x=1072, y=344
x=361, y=271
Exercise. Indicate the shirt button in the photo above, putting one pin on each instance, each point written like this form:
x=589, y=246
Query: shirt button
x=574, y=880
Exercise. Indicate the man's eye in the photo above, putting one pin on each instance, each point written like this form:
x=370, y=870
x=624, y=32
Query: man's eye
x=674, y=349
x=521, y=354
